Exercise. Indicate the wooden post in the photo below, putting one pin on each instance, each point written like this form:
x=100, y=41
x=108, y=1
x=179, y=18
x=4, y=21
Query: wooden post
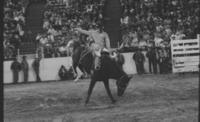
x=42, y=52
x=18, y=53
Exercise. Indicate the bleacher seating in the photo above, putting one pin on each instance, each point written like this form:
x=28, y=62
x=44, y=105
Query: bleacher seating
x=28, y=48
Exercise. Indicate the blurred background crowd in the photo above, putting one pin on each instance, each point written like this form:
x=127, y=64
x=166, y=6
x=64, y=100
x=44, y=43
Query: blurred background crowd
x=60, y=19
x=158, y=21
x=144, y=23
x=14, y=21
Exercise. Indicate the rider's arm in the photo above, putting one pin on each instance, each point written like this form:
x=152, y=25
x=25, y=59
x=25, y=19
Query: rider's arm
x=83, y=31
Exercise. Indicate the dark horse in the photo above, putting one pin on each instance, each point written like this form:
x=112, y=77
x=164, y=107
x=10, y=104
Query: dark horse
x=109, y=70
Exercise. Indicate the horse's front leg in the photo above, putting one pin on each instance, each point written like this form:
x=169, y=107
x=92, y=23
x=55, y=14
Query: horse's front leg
x=106, y=84
x=92, y=84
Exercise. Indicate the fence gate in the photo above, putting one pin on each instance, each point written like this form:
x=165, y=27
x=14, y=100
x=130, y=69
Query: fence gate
x=185, y=55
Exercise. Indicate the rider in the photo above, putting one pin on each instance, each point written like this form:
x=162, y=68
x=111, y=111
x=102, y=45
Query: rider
x=101, y=42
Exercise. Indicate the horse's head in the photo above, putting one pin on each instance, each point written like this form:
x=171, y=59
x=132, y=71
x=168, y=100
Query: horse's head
x=122, y=84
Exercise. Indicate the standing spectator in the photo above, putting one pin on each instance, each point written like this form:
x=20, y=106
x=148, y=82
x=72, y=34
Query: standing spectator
x=15, y=67
x=151, y=55
x=162, y=61
x=25, y=69
x=139, y=59
x=36, y=68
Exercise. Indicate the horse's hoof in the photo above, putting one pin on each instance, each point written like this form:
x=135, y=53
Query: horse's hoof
x=76, y=80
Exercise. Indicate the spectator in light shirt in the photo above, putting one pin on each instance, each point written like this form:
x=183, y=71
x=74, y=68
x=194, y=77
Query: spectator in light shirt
x=157, y=39
x=52, y=31
x=179, y=35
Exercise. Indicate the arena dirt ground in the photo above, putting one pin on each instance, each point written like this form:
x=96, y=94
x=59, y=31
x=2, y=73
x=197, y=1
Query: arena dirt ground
x=148, y=98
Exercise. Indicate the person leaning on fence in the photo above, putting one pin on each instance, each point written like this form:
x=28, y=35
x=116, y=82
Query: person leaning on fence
x=15, y=67
x=36, y=68
x=25, y=68
x=139, y=59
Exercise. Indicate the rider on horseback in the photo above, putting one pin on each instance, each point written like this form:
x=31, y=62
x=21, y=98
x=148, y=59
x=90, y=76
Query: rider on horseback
x=101, y=43
x=108, y=68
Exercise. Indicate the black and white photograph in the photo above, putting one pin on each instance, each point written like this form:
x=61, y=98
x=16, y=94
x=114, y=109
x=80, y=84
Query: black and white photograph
x=101, y=60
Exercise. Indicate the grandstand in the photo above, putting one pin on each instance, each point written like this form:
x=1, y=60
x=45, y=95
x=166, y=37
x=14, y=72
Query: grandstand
x=31, y=24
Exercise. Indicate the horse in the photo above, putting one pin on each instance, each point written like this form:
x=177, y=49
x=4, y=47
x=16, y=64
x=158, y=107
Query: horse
x=109, y=69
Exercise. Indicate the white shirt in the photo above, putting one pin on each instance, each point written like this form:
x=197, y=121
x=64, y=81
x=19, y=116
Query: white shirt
x=46, y=25
x=142, y=43
x=125, y=20
x=101, y=39
x=52, y=31
x=179, y=36
x=157, y=41
x=43, y=40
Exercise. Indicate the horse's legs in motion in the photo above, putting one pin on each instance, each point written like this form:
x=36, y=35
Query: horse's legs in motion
x=82, y=69
x=92, y=84
x=79, y=74
x=74, y=69
x=106, y=84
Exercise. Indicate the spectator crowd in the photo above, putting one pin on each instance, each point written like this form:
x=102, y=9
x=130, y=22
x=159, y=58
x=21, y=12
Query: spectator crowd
x=60, y=19
x=151, y=25
x=144, y=24
x=14, y=22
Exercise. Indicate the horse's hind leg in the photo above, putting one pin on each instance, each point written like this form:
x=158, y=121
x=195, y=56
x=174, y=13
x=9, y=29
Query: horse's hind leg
x=82, y=70
x=92, y=84
x=74, y=70
x=106, y=84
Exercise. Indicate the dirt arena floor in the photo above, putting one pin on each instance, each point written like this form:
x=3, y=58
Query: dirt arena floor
x=148, y=98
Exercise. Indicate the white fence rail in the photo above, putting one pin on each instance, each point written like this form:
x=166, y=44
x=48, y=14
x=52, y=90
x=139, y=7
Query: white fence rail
x=185, y=55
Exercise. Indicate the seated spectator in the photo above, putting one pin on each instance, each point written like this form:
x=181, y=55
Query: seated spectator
x=134, y=42
x=46, y=25
x=62, y=73
x=43, y=40
x=14, y=21
x=157, y=39
x=179, y=35
x=52, y=31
